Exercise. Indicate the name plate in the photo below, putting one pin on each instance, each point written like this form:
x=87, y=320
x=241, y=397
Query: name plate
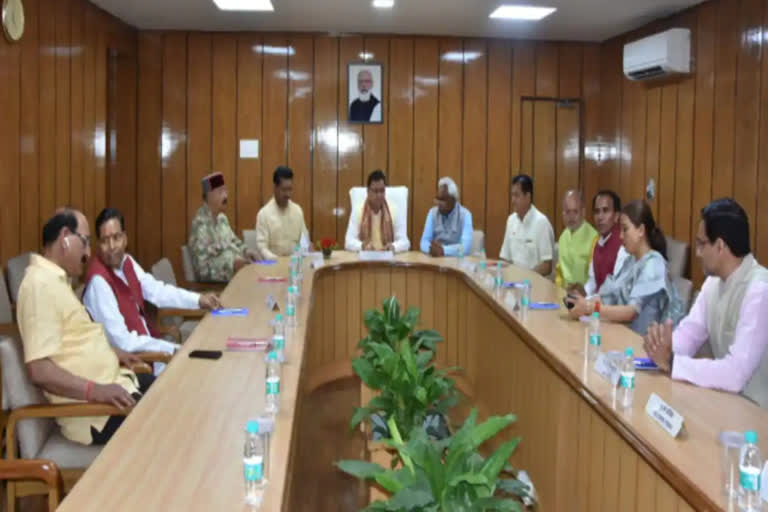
x=668, y=418
x=317, y=263
x=510, y=300
x=606, y=369
x=377, y=255
x=468, y=266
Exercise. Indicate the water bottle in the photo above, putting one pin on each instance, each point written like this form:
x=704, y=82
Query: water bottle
x=750, y=466
x=460, y=254
x=294, y=281
x=482, y=264
x=253, y=464
x=278, y=337
x=290, y=308
x=595, y=339
x=273, y=384
x=627, y=380
x=498, y=278
x=299, y=254
x=266, y=428
x=525, y=297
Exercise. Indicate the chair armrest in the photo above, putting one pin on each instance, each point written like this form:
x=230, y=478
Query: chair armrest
x=155, y=357
x=185, y=313
x=142, y=367
x=69, y=410
x=171, y=330
x=32, y=469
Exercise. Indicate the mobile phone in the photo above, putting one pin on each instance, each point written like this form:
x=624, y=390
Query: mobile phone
x=205, y=354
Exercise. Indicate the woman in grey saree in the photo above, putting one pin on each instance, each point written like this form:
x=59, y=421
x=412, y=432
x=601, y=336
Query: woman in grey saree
x=642, y=292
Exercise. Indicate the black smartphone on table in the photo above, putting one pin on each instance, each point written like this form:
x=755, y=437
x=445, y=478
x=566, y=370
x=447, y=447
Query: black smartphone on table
x=205, y=354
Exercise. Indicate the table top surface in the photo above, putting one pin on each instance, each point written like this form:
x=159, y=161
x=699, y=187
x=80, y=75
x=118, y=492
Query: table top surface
x=181, y=447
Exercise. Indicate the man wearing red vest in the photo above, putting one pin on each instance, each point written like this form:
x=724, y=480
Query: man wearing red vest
x=116, y=287
x=609, y=253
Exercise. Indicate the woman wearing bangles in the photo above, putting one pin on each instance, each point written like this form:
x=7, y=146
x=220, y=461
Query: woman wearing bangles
x=642, y=292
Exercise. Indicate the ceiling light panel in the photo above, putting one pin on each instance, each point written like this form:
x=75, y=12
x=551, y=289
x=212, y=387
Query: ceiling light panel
x=522, y=12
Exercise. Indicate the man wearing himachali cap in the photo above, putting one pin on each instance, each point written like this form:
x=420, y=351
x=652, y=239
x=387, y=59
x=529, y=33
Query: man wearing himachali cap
x=217, y=253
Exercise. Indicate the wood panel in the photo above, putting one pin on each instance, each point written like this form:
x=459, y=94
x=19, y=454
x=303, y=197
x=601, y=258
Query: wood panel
x=450, y=101
x=523, y=84
x=300, y=122
x=249, y=101
x=544, y=158
x=761, y=222
x=90, y=54
x=653, y=144
x=665, y=187
x=590, y=120
x=325, y=164
x=198, y=124
x=62, y=51
x=351, y=172
x=567, y=157
x=149, y=175
x=29, y=191
x=475, y=125
x=47, y=110
x=499, y=154
x=400, y=125
x=76, y=105
x=375, y=140
x=275, y=122
x=224, y=147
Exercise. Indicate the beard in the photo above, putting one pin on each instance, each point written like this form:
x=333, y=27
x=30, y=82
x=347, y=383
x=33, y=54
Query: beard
x=365, y=96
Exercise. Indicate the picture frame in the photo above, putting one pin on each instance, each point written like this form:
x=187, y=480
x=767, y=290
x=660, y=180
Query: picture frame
x=365, y=79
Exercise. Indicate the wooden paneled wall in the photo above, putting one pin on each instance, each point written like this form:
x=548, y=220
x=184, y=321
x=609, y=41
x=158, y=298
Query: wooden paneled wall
x=53, y=112
x=699, y=138
x=452, y=107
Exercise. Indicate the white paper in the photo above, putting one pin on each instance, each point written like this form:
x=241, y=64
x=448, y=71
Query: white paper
x=606, y=369
x=317, y=264
x=249, y=148
x=377, y=256
x=668, y=418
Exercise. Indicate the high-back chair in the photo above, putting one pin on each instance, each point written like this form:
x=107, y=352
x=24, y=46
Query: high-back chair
x=249, y=237
x=163, y=271
x=677, y=257
x=16, y=268
x=478, y=242
x=7, y=325
x=684, y=289
x=31, y=431
x=187, y=266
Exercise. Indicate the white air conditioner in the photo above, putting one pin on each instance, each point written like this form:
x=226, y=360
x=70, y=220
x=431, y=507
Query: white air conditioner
x=659, y=55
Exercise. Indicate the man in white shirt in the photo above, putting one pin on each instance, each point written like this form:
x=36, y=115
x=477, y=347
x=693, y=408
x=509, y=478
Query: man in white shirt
x=116, y=288
x=375, y=225
x=529, y=240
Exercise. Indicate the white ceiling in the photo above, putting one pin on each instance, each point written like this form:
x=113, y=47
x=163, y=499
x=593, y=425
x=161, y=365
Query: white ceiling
x=575, y=20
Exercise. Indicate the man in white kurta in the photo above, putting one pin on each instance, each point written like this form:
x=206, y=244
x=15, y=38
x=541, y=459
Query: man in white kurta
x=375, y=225
x=102, y=301
x=529, y=240
x=280, y=225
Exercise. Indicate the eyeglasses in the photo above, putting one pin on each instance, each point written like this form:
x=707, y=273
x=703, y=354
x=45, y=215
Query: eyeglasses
x=86, y=240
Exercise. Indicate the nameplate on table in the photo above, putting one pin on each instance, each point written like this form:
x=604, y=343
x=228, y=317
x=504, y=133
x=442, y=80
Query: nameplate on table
x=668, y=418
x=606, y=369
x=510, y=300
x=468, y=266
x=272, y=303
x=377, y=255
x=317, y=263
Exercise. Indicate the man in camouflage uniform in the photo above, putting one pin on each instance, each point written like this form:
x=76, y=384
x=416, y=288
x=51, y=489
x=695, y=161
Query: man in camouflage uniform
x=217, y=253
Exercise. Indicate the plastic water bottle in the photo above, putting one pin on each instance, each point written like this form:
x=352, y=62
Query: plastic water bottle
x=750, y=467
x=291, y=306
x=525, y=297
x=266, y=428
x=460, y=254
x=595, y=339
x=278, y=337
x=627, y=379
x=482, y=265
x=273, y=384
x=498, y=278
x=253, y=464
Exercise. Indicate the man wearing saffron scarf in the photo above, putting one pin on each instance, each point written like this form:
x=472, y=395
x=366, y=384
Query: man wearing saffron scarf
x=609, y=254
x=116, y=287
x=375, y=226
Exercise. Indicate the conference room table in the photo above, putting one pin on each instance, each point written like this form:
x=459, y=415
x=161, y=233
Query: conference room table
x=181, y=447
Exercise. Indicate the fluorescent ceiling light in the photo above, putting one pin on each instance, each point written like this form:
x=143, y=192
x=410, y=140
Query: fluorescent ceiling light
x=275, y=50
x=244, y=5
x=522, y=12
x=384, y=4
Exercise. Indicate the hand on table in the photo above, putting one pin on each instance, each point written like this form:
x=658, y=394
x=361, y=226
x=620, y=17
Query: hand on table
x=390, y=247
x=240, y=263
x=580, y=307
x=252, y=255
x=658, y=345
x=436, y=249
x=209, y=301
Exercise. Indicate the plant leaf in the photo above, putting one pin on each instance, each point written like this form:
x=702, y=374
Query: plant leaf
x=503, y=505
x=367, y=373
x=495, y=463
x=360, y=468
x=360, y=414
x=513, y=486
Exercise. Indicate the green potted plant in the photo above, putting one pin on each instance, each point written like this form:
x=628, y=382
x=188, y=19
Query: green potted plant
x=396, y=363
x=446, y=475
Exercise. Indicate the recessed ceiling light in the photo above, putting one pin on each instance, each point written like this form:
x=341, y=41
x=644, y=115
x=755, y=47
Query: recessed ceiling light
x=522, y=12
x=244, y=5
x=384, y=4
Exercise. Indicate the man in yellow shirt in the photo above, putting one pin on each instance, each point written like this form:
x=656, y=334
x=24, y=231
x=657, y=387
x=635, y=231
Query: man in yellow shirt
x=576, y=243
x=65, y=352
x=280, y=223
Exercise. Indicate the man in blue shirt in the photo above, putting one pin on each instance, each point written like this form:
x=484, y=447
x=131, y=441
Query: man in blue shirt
x=449, y=225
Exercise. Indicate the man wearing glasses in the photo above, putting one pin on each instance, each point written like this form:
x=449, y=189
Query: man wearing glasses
x=449, y=225
x=116, y=287
x=729, y=315
x=67, y=353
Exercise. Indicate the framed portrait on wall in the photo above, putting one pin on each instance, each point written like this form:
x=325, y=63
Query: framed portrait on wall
x=364, y=98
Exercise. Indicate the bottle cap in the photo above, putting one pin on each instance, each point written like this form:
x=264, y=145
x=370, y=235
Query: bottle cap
x=272, y=356
x=527, y=282
x=596, y=315
x=629, y=352
x=498, y=264
x=252, y=427
x=750, y=436
x=278, y=318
